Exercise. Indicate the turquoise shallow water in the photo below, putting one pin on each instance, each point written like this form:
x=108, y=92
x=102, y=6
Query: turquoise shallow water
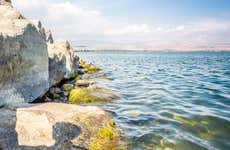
x=169, y=100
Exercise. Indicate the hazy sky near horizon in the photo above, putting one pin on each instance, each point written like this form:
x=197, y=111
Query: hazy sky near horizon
x=135, y=24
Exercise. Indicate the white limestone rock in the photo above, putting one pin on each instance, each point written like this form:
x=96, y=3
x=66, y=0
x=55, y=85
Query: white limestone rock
x=24, y=72
x=62, y=60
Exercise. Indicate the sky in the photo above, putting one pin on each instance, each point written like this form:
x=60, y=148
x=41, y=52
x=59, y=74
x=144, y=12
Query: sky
x=135, y=24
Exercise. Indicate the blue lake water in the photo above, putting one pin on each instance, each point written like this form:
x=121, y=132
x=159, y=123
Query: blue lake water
x=169, y=100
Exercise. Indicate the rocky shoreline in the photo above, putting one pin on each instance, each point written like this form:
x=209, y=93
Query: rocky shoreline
x=80, y=87
x=41, y=83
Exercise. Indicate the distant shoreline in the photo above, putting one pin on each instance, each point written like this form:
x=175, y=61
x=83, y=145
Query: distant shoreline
x=181, y=51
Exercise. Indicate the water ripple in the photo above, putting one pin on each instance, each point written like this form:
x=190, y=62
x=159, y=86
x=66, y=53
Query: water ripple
x=169, y=100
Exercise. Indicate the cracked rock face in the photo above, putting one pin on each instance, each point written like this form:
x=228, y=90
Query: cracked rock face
x=24, y=59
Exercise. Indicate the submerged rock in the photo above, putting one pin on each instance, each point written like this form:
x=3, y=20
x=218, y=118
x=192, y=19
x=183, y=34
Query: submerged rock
x=56, y=126
x=23, y=57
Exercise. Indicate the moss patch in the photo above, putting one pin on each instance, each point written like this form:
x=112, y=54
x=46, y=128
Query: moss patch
x=106, y=138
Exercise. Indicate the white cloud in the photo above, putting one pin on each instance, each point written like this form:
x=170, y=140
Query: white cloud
x=65, y=19
x=142, y=28
x=69, y=20
x=67, y=8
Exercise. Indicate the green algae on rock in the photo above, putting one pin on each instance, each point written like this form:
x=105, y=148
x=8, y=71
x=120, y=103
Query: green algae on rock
x=92, y=69
x=83, y=95
x=107, y=138
x=89, y=68
x=91, y=94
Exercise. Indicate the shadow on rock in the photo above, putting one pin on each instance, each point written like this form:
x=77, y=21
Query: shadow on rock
x=62, y=133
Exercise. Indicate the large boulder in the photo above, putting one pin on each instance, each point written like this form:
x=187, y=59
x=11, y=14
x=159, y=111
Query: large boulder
x=24, y=72
x=62, y=60
x=46, y=127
